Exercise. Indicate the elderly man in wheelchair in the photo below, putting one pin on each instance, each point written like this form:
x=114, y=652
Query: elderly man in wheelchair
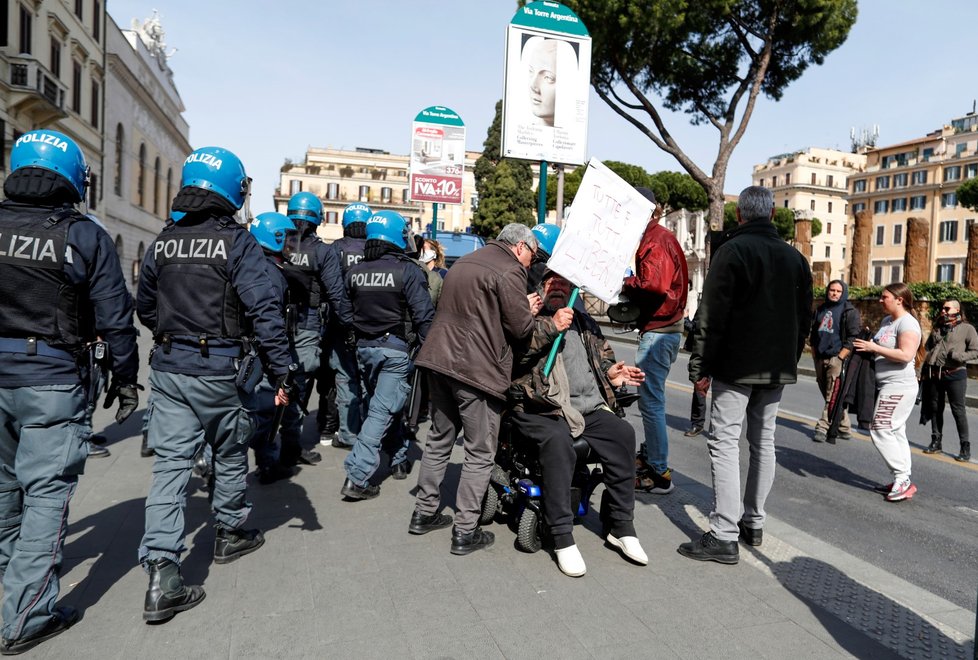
x=577, y=401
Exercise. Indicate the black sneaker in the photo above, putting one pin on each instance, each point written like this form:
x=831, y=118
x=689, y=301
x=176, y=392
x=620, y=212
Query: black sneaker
x=230, y=544
x=98, y=451
x=274, y=472
x=694, y=431
x=653, y=482
x=750, y=535
x=422, y=524
x=339, y=444
x=309, y=457
x=710, y=548
x=401, y=470
x=464, y=543
x=352, y=491
x=61, y=619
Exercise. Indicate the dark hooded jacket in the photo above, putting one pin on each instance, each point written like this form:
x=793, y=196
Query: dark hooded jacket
x=834, y=325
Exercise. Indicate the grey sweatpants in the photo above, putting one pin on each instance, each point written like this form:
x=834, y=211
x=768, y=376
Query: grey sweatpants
x=894, y=403
x=730, y=404
x=457, y=407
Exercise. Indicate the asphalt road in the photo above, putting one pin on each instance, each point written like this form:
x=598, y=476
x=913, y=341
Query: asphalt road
x=825, y=490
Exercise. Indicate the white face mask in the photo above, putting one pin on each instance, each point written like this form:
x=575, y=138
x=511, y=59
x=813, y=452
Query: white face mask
x=428, y=255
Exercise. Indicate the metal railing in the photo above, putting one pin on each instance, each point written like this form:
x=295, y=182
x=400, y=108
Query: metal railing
x=27, y=73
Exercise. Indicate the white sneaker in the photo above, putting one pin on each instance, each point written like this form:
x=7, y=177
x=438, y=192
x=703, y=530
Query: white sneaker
x=630, y=547
x=570, y=562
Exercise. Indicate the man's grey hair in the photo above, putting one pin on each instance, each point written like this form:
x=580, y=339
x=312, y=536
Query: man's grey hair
x=516, y=232
x=755, y=204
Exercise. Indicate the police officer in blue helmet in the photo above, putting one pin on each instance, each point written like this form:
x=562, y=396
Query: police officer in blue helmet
x=206, y=295
x=278, y=238
x=315, y=289
x=60, y=279
x=340, y=367
x=547, y=234
x=392, y=312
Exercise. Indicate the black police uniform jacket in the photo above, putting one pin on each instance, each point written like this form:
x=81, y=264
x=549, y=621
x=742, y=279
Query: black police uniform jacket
x=61, y=285
x=390, y=300
x=205, y=278
x=315, y=278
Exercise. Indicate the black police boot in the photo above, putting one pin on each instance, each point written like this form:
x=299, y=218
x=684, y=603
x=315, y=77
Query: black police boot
x=965, y=454
x=230, y=544
x=62, y=618
x=310, y=457
x=167, y=594
x=145, y=451
x=709, y=548
x=464, y=543
x=935, y=445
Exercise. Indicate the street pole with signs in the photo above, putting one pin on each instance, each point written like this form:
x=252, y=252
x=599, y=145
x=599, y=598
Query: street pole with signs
x=437, y=163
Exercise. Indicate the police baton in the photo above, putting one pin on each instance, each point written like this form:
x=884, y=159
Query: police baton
x=285, y=383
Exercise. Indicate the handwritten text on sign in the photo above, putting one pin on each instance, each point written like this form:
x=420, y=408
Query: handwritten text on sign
x=599, y=239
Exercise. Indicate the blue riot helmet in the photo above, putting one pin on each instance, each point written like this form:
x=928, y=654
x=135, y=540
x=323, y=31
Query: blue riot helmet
x=219, y=171
x=272, y=230
x=546, y=234
x=388, y=226
x=356, y=212
x=305, y=206
x=54, y=151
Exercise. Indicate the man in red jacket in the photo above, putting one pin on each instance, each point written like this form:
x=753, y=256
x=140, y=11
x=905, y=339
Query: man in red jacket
x=659, y=288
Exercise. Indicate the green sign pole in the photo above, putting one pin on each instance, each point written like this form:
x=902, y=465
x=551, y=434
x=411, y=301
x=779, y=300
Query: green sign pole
x=548, y=367
x=542, y=193
x=434, y=220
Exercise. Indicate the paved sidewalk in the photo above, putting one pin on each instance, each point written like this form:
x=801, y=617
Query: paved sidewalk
x=339, y=579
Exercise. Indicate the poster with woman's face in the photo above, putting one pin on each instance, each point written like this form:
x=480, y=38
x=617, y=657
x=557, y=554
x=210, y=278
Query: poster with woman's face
x=546, y=96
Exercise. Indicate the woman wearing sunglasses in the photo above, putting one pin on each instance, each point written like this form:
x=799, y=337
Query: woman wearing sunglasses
x=952, y=344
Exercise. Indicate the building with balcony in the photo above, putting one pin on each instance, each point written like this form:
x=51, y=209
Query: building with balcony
x=378, y=178
x=919, y=179
x=52, y=75
x=813, y=183
x=146, y=139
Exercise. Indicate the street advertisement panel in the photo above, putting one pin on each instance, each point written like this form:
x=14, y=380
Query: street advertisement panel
x=547, y=81
x=437, y=162
x=599, y=239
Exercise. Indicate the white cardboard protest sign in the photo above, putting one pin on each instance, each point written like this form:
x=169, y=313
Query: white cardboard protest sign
x=598, y=241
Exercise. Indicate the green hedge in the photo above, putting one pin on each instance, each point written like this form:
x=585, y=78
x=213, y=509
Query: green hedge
x=933, y=291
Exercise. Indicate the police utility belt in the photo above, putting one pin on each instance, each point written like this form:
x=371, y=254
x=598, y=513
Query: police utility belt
x=33, y=346
x=383, y=340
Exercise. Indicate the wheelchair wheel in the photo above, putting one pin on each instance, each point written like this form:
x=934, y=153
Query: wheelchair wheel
x=490, y=505
x=528, y=534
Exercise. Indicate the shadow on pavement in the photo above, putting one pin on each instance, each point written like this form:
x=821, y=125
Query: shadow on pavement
x=805, y=464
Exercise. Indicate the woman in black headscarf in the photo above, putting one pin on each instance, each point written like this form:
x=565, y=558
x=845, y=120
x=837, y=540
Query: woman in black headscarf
x=835, y=325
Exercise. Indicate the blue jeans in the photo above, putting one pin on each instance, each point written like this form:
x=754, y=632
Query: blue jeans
x=385, y=373
x=656, y=353
x=343, y=362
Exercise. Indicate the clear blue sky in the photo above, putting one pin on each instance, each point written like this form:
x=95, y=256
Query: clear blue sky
x=267, y=80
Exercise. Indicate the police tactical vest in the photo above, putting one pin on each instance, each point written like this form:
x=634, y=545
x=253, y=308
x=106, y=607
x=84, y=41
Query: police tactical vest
x=377, y=294
x=36, y=297
x=350, y=252
x=194, y=292
x=302, y=273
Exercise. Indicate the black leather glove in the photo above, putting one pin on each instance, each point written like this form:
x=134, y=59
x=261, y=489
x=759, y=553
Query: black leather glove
x=128, y=396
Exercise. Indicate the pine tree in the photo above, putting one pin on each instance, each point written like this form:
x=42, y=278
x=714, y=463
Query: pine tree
x=504, y=186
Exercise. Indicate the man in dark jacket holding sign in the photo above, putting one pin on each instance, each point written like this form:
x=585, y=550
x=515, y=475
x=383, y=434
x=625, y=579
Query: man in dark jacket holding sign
x=483, y=313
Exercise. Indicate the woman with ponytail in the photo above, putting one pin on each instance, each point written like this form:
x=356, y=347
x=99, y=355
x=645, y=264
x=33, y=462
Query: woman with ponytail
x=897, y=348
